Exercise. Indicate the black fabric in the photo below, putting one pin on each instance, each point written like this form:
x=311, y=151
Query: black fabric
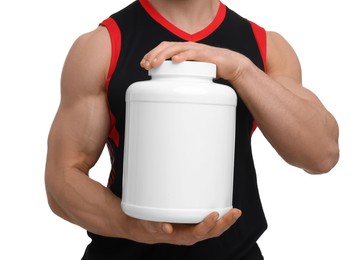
x=114, y=249
x=140, y=33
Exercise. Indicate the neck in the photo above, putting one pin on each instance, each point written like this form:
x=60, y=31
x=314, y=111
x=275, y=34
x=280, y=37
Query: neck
x=188, y=15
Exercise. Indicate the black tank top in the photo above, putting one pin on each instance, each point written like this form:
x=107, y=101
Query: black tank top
x=134, y=31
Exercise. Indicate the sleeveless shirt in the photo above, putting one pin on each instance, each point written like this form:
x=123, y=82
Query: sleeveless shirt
x=134, y=31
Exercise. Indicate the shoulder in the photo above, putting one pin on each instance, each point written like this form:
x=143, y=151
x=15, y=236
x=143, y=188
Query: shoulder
x=281, y=57
x=95, y=40
x=87, y=62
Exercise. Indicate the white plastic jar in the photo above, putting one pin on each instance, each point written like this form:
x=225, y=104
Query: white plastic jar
x=179, y=144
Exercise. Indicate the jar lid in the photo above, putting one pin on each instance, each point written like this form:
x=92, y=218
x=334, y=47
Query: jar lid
x=185, y=68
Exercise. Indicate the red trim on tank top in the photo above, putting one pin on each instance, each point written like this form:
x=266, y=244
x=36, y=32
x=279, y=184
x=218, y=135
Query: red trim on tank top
x=115, y=38
x=260, y=36
x=219, y=18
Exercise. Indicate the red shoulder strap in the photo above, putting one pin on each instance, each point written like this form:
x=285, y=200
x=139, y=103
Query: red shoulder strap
x=260, y=36
x=115, y=37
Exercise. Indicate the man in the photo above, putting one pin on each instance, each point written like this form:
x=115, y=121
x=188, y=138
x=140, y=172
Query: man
x=262, y=68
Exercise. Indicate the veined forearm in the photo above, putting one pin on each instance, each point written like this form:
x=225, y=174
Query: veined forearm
x=87, y=203
x=291, y=118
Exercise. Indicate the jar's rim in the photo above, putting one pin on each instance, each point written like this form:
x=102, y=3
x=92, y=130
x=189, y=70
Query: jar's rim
x=185, y=68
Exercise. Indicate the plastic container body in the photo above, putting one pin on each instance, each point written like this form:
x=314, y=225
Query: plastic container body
x=179, y=145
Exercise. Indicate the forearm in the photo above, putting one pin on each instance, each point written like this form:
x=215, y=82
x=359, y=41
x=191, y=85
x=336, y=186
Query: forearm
x=302, y=131
x=85, y=202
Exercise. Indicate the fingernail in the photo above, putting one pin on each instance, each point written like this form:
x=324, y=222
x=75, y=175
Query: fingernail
x=216, y=217
x=237, y=215
x=144, y=63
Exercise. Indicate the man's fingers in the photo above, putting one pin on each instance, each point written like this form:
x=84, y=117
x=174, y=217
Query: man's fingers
x=213, y=227
x=229, y=63
x=202, y=229
x=177, y=51
x=156, y=56
x=225, y=222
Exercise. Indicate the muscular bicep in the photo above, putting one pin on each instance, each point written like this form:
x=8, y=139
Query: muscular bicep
x=81, y=124
x=78, y=134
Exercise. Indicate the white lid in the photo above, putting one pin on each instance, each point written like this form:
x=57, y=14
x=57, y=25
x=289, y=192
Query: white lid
x=185, y=68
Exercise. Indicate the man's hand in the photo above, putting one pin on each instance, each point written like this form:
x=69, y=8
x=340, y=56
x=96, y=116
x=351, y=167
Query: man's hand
x=181, y=234
x=229, y=63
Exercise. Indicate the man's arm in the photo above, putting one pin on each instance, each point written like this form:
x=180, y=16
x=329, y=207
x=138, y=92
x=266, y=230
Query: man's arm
x=76, y=140
x=290, y=116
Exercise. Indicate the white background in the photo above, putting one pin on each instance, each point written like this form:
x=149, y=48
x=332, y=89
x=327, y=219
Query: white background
x=310, y=217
